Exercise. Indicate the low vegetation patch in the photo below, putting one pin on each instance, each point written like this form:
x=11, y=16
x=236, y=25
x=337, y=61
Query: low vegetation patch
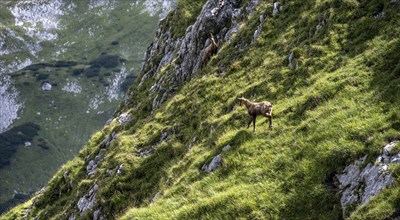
x=16, y=137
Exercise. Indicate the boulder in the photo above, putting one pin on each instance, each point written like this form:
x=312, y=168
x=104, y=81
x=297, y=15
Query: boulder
x=46, y=86
x=214, y=164
x=359, y=184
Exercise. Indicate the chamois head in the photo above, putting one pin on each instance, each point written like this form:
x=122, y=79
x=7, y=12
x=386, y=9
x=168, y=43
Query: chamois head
x=242, y=100
x=213, y=39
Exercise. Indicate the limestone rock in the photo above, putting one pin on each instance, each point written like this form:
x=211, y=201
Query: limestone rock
x=88, y=201
x=93, y=164
x=290, y=59
x=277, y=8
x=97, y=215
x=358, y=185
x=146, y=152
x=123, y=119
x=46, y=86
x=119, y=170
x=184, y=54
x=256, y=33
x=155, y=197
x=227, y=147
x=214, y=164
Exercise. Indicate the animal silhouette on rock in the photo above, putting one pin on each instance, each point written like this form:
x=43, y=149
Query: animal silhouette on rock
x=257, y=108
x=210, y=50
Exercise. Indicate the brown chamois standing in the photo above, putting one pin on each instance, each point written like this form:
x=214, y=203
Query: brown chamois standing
x=257, y=108
x=209, y=51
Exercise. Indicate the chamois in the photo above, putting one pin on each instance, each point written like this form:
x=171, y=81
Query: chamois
x=209, y=51
x=257, y=108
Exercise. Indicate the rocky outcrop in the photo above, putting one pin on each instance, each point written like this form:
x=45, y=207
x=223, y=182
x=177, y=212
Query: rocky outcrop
x=359, y=184
x=92, y=164
x=88, y=201
x=46, y=86
x=215, y=162
x=277, y=8
x=123, y=119
x=183, y=55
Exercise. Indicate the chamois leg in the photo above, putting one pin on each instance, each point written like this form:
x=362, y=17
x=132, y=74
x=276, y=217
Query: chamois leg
x=270, y=122
x=269, y=116
x=251, y=119
x=254, y=123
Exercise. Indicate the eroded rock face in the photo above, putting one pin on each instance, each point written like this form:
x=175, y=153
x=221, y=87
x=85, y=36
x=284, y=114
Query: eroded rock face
x=123, y=119
x=88, y=201
x=184, y=55
x=93, y=164
x=358, y=184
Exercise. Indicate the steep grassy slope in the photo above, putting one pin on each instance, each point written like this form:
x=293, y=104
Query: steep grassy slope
x=338, y=101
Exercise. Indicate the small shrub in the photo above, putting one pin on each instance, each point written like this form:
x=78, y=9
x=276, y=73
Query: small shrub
x=127, y=83
x=77, y=72
x=92, y=71
x=106, y=61
x=14, y=137
x=64, y=63
x=42, y=76
x=37, y=66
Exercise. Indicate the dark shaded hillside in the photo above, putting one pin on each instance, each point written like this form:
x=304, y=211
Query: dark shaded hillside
x=329, y=67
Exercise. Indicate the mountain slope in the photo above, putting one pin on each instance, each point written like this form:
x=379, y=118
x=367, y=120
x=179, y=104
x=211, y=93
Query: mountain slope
x=329, y=67
x=64, y=67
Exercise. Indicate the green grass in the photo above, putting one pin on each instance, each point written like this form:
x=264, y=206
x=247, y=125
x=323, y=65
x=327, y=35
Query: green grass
x=338, y=105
